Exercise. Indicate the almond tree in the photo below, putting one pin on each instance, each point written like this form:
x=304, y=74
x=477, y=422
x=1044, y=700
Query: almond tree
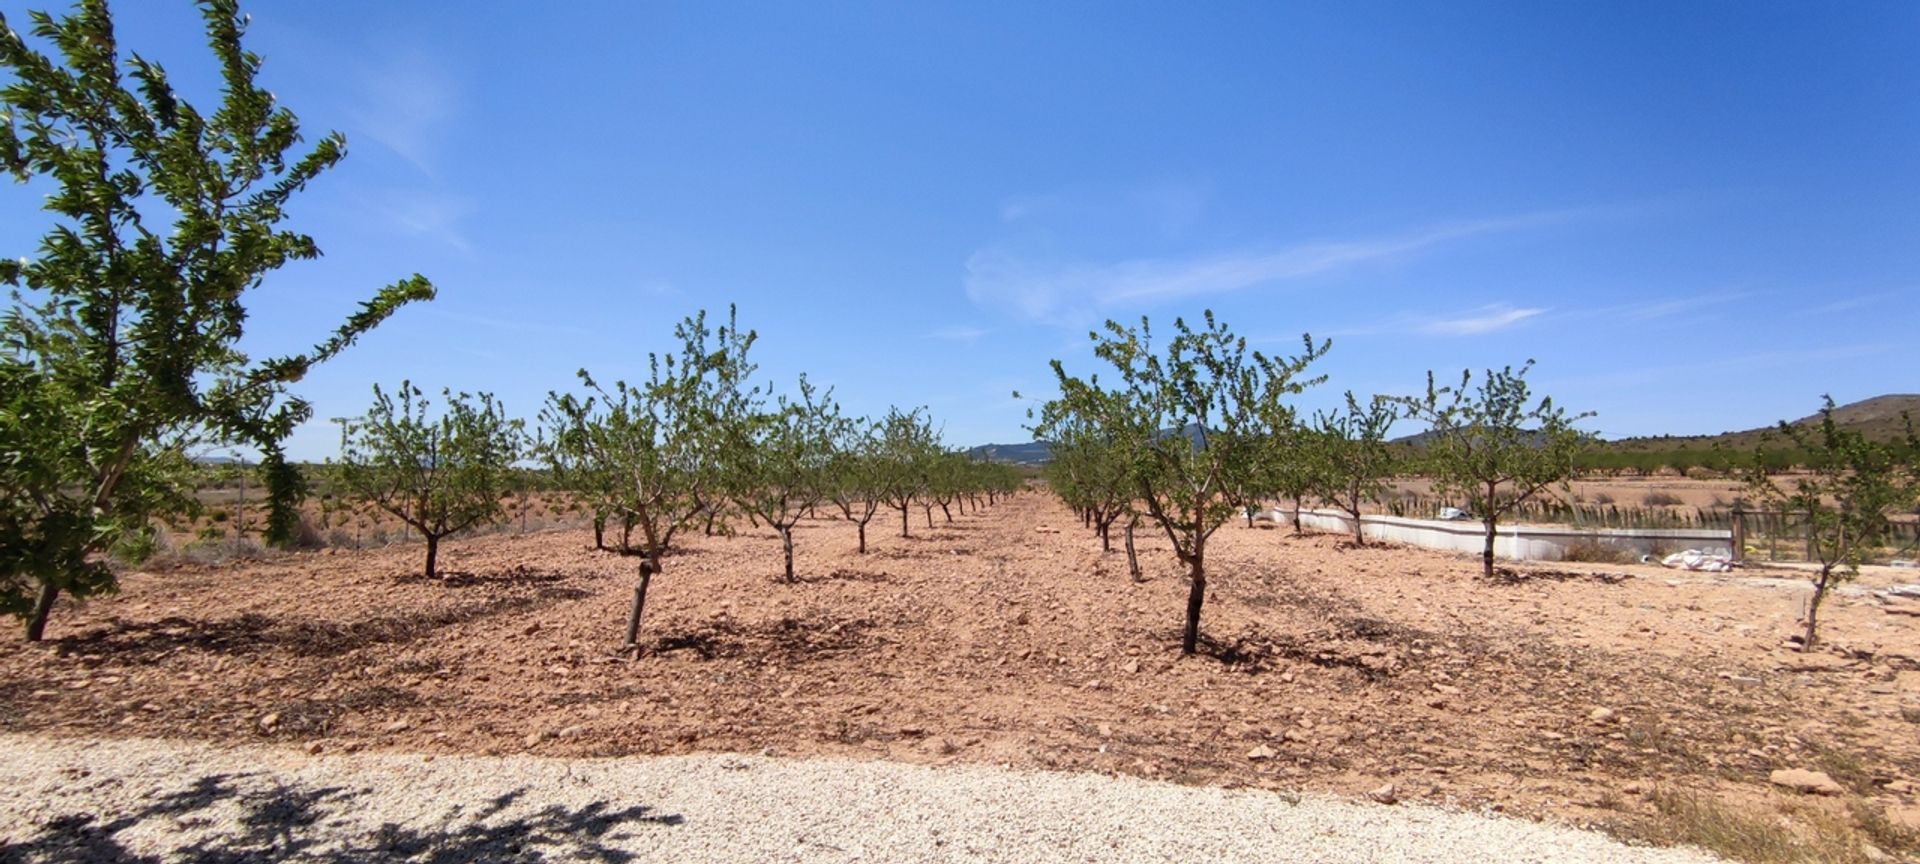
x=440, y=475
x=1292, y=467
x=1494, y=447
x=779, y=462
x=855, y=474
x=663, y=441
x=1352, y=459
x=1092, y=470
x=1847, y=488
x=119, y=349
x=908, y=443
x=1200, y=417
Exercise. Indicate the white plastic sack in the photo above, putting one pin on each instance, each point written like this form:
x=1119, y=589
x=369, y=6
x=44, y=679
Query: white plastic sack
x=1695, y=559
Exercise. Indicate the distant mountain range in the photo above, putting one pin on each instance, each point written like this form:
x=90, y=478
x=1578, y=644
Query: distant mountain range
x=1030, y=453
x=1878, y=417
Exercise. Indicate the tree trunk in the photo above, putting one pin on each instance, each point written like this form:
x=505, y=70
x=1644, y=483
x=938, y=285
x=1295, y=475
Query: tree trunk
x=1813, y=607
x=1359, y=539
x=639, y=603
x=433, y=554
x=1197, y=595
x=786, y=542
x=1296, y=516
x=903, y=520
x=1486, y=557
x=1249, y=517
x=599, y=532
x=1133, y=561
x=1106, y=543
x=626, y=534
x=944, y=510
x=863, y=538
x=42, y=608
x=928, y=509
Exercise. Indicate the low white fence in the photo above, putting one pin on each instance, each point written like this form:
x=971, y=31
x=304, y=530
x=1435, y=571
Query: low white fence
x=1518, y=542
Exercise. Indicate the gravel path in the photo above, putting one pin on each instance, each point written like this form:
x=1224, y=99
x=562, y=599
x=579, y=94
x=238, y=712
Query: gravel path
x=148, y=800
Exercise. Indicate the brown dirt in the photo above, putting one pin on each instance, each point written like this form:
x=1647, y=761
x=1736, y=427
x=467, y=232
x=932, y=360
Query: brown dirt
x=991, y=641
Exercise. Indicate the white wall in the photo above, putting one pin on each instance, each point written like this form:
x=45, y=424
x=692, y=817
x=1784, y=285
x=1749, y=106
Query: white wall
x=1518, y=542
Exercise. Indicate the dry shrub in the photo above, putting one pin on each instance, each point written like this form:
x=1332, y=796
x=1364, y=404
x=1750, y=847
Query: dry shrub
x=1660, y=499
x=1816, y=836
x=306, y=535
x=1596, y=552
x=1845, y=768
x=1884, y=834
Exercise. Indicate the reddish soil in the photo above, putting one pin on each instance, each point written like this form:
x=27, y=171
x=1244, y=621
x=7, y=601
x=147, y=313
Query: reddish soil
x=997, y=639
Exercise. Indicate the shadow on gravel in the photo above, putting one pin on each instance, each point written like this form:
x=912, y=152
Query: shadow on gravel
x=232, y=818
x=842, y=574
x=515, y=576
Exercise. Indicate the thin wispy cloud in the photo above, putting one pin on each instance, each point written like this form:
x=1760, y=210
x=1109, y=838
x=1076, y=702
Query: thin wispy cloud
x=1490, y=318
x=958, y=333
x=433, y=216
x=406, y=102
x=1653, y=310
x=1072, y=292
x=515, y=325
x=1486, y=320
x=1616, y=379
x=1851, y=303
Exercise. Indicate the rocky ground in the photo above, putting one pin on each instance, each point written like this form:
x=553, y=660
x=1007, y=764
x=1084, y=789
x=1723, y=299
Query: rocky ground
x=1571, y=692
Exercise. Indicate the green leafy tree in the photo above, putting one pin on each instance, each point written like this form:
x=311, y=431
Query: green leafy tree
x=1494, y=446
x=1094, y=457
x=1293, y=468
x=1199, y=422
x=1352, y=456
x=780, y=463
x=1848, y=487
x=121, y=339
x=661, y=443
x=439, y=475
x=908, y=444
x=856, y=473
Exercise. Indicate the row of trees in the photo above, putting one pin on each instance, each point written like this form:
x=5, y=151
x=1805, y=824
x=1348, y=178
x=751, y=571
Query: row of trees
x=1189, y=438
x=697, y=445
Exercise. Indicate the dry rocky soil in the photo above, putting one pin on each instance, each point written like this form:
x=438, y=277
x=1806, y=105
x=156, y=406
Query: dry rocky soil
x=1568, y=692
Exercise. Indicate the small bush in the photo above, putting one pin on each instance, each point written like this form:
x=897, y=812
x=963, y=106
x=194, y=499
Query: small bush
x=140, y=547
x=1602, y=499
x=1687, y=819
x=222, y=551
x=1660, y=499
x=1596, y=552
x=306, y=535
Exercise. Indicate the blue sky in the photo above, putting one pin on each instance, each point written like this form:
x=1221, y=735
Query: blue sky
x=1695, y=216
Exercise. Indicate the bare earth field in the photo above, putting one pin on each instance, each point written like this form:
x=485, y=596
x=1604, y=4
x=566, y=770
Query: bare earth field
x=1570, y=694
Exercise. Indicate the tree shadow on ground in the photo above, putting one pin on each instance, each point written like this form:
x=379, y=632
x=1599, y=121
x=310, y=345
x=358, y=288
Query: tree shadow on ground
x=233, y=818
x=136, y=642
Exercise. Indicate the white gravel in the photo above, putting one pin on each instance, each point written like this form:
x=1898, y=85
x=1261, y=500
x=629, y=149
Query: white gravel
x=142, y=800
